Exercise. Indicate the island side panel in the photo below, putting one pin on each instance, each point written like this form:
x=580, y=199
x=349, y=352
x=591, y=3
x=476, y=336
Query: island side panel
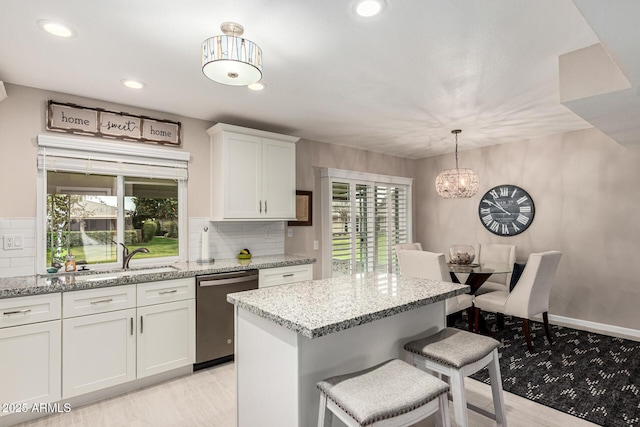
x=358, y=348
x=266, y=362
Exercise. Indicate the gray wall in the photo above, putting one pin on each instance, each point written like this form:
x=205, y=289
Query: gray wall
x=587, y=195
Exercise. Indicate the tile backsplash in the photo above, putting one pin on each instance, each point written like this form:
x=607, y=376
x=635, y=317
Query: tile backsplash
x=20, y=261
x=225, y=241
x=227, y=238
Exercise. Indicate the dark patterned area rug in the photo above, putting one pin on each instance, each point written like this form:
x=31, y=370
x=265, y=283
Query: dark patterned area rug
x=591, y=376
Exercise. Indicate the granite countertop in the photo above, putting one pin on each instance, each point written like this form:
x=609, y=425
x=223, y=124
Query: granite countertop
x=321, y=307
x=50, y=283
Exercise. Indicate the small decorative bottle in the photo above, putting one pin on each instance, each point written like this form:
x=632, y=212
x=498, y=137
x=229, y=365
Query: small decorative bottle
x=70, y=263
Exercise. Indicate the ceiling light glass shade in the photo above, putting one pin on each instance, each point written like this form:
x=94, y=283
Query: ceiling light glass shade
x=231, y=60
x=457, y=183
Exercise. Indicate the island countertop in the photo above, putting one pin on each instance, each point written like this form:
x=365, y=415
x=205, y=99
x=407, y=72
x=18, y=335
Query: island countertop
x=321, y=307
x=50, y=283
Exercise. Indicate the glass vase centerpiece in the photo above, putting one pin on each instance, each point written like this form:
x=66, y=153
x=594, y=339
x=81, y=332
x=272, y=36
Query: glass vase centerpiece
x=462, y=254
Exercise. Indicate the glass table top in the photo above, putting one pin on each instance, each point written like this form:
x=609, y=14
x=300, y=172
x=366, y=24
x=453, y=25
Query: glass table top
x=482, y=268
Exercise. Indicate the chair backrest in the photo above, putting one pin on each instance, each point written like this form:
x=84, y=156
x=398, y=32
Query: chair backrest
x=423, y=264
x=495, y=252
x=531, y=295
x=416, y=246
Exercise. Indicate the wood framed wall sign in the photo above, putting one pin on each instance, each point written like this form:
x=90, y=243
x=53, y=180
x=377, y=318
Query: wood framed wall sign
x=72, y=118
x=304, y=209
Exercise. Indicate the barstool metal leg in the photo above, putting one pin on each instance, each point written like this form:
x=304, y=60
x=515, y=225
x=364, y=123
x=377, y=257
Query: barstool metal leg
x=496, y=390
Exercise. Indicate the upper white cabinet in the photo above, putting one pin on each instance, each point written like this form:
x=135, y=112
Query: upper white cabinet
x=253, y=174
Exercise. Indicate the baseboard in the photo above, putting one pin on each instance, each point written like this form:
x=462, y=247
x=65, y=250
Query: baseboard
x=586, y=325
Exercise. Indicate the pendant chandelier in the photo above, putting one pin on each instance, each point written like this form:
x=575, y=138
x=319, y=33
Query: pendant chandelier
x=230, y=59
x=457, y=183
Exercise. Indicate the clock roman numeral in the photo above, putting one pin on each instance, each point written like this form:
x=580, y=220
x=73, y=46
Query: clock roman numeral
x=494, y=193
x=504, y=191
x=522, y=219
x=485, y=211
x=494, y=226
x=487, y=202
x=487, y=219
x=522, y=200
x=515, y=227
x=525, y=209
x=505, y=229
x=515, y=190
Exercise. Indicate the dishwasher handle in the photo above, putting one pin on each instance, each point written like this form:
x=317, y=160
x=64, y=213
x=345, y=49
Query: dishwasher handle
x=216, y=282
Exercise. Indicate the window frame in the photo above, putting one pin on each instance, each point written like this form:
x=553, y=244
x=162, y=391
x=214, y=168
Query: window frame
x=330, y=175
x=135, y=157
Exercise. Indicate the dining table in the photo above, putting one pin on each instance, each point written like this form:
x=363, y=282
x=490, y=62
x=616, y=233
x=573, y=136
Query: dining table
x=476, y=275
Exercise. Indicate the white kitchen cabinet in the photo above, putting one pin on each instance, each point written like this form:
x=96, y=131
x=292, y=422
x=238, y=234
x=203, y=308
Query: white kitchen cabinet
x=99, y=351
x=31, y=352
x=252, y=174
x=283, y=275
x=166, y=337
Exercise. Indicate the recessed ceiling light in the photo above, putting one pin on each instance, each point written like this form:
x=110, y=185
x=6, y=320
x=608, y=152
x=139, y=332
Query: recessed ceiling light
x=56, y=28
x=256, y=86
x=132, y=84
x=368, y=8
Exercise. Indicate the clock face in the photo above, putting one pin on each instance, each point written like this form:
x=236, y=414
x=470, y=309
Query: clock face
x=506, y=210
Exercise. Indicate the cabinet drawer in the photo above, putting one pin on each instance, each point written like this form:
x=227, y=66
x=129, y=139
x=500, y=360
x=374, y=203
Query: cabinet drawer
x=282, y=275
x=150, y=293
x=29, y=309
x=99, y=300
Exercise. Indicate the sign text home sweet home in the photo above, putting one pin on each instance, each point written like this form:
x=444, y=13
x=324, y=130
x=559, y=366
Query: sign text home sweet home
x=73, y=118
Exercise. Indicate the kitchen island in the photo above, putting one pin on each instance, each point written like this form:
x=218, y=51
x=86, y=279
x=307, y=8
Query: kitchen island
x=291, y=336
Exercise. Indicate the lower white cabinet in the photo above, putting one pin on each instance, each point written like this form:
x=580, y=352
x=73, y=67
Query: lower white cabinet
x=99, y=351
x=30, y=351
x=30, y=368
x=166, y=337
x=113, y=347
x=283, y=275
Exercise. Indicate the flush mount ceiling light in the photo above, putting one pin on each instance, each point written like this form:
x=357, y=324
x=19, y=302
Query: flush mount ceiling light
x=457, y=183
x=132, y=84
x=368, y=8
x=230, y=59
x=56, y=28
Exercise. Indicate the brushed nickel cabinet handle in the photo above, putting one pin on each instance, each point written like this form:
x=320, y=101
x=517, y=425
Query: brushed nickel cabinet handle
x=265, y=206
x=102, y=301
x=260, y=206
x=287, y=275
x=141, y=325
x=131, y=326
x=168, y=292
x=25, y=311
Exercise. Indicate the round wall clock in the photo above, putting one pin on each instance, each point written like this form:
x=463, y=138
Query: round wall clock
x=506, y=210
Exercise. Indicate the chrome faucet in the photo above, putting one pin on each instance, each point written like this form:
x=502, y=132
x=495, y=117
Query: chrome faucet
x=126, y=255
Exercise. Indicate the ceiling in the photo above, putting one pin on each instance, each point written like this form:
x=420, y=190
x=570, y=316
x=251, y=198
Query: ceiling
x=396, y=83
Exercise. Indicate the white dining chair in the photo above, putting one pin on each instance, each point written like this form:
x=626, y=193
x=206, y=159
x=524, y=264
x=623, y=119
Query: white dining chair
x=498, y=253
x=415, y=246
x=529, y=298
x=430, y=265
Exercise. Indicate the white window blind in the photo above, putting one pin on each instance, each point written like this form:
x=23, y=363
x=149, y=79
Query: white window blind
x=110, y=158
x=366, y=220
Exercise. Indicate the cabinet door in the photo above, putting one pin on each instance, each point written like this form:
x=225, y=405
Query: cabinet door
x=243, y=176
x=279, y=185
x=30, y=369
x=166, y=337
x=98, y=351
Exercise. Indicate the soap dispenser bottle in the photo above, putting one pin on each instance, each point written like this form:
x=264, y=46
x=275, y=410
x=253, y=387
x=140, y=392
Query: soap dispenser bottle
x=70, y=263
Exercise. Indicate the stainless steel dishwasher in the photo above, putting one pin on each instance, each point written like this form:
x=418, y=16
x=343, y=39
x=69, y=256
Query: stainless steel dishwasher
x=214, y=315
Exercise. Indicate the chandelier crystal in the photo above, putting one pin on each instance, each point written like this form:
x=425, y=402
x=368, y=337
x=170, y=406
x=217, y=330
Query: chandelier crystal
x=457, y=183
x=231, y=60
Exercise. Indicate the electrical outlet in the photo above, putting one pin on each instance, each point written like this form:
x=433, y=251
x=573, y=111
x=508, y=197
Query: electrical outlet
x=289, y=232
x=316, y=245
x=13, y=241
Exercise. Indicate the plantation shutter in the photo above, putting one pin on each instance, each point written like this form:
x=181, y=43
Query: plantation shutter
x=367, y=220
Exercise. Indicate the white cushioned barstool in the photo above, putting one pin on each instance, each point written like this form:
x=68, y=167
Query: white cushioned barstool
x=391, y=394
x=457, y=354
